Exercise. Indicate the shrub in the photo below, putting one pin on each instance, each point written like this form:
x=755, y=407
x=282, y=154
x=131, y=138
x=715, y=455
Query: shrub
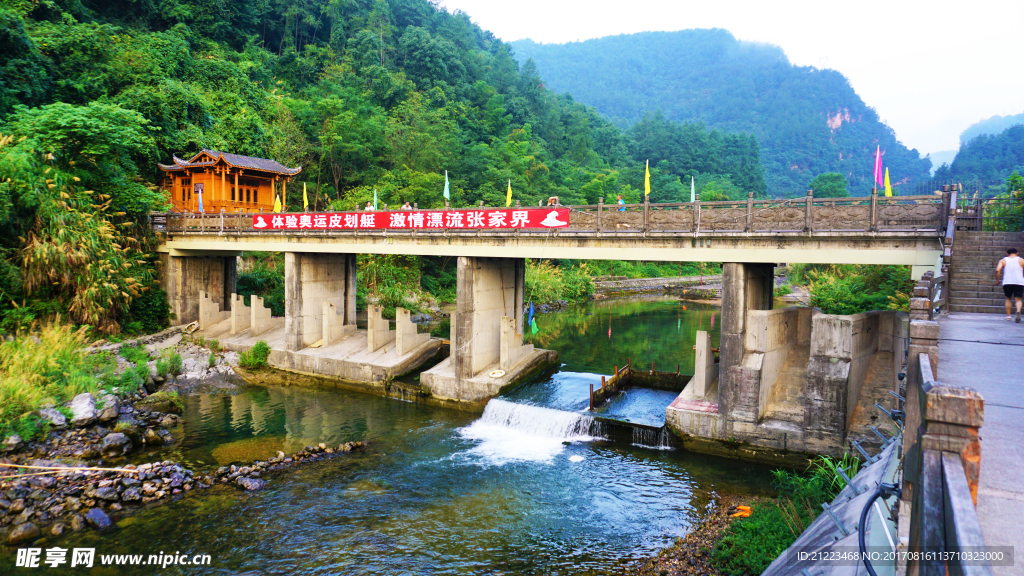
x=264, y=278
x=749, y=545
x=214, y=345
x=169, y=363
x=255, y=357
x=213, y=359
x=149, y=312
x=783, y=290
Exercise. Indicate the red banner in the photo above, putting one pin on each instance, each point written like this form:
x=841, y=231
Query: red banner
x=416, y=219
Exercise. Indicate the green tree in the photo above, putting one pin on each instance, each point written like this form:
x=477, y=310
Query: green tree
x=829, y=185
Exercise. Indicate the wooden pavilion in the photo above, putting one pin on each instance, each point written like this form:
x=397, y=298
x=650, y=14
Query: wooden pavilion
x=228, y=182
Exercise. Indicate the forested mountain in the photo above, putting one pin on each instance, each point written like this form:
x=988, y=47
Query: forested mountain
x=991, y=126
x=987, y=157
x=363, y=94
x=807, y=121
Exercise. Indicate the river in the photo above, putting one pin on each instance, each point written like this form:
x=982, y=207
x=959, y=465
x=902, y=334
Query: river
x=522, y=489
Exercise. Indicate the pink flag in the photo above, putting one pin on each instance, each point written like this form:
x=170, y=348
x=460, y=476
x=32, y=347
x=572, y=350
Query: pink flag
x=878, y=165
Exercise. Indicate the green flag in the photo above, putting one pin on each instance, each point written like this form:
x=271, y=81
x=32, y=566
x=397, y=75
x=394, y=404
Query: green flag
x=374, y=198
x=447, y=196
x=693, y=191
x=533, y=325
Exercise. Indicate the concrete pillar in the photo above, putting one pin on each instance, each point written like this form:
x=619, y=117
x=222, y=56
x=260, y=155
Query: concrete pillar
x=745, y=287
x=241, y=315
x=487, y=289
x=310, y=280
x=378, y=330
x=183, y=277
x=261, y=319
x=406, y=337
x=704, y=368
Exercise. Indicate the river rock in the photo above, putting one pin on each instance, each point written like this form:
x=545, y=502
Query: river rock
x=97, y=518
x=55, y=418
x=24, y=532
x=168, y=421
x=111, y=408
x=77, y=523
x=11, y=443
x=151, y=437
x=57, y=529
x=131, y=495
x=108, y=493
x=17, y=506
x=159, y=402
x=115, y=444
x=83, y=410
x=250, y=484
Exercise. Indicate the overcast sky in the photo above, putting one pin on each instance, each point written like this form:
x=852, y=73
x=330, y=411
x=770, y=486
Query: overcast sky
x=930, y=68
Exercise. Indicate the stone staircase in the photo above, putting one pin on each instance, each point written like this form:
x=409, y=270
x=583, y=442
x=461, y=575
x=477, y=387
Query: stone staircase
x=973, y=284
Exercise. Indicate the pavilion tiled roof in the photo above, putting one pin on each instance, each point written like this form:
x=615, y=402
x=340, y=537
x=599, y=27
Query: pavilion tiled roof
x=237, y=160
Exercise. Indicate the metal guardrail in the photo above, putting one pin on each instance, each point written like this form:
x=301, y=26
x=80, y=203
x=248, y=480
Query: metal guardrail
x=921, y=215
x=990, y=215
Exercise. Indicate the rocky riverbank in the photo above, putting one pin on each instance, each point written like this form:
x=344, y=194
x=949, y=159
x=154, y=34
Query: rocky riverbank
x=75, y=477
x=691, y=555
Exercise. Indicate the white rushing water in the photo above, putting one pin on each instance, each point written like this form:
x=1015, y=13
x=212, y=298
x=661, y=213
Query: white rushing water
x=513, y=432
x=646, y=438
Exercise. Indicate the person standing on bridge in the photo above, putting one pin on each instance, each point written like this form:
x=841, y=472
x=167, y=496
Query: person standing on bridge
x=1012, y=268
x=621, y=203
x=369, y=207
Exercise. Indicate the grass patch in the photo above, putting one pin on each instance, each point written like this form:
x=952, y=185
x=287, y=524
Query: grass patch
x=546, y=281
x=213, y=359
x=783, y=290
x=169, y=363
x=255, y=357
x=751, y=544
x=51, y=370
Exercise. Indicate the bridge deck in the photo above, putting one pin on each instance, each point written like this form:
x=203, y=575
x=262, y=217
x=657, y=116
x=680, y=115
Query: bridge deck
x=870, y=230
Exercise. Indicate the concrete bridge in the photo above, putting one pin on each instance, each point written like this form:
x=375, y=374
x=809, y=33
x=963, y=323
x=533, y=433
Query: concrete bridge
x=318, y=335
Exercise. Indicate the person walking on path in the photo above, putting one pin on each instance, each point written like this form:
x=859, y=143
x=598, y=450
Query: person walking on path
x=1012, y=268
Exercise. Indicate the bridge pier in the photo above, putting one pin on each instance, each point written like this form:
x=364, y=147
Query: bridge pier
x=183, y=278
x=486, y=333
x=312, y=280
x=745, y=287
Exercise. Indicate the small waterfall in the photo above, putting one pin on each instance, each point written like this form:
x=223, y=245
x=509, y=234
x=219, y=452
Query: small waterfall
x=540, y=421
x=648, y=438
x=510, y=432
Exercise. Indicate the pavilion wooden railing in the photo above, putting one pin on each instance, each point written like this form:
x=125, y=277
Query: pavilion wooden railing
x=942, y=457
x=922, y=215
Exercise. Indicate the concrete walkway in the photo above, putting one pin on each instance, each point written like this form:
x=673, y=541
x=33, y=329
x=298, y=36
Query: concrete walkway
x=985, y=352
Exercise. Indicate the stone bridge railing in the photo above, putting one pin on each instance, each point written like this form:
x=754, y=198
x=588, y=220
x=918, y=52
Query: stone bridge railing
x=916, y=215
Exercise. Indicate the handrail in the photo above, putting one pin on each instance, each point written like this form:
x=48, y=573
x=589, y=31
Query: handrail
x=938, y=294
x=941, y=470
x=916, y=215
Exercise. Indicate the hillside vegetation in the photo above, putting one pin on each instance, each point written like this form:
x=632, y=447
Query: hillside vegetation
x=807, y=121
x=363, y=94
x=991, y=158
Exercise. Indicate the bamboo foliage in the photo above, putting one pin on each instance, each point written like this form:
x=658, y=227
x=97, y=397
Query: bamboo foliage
x=76, y=251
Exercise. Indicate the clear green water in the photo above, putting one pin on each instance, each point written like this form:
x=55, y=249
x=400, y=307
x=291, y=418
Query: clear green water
x=436, y=492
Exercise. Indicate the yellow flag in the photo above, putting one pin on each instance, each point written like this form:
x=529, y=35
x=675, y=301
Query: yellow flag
x=647, y=178
x=508, y=197
x=305, y=199
x=277, y=203
x=888, y=188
